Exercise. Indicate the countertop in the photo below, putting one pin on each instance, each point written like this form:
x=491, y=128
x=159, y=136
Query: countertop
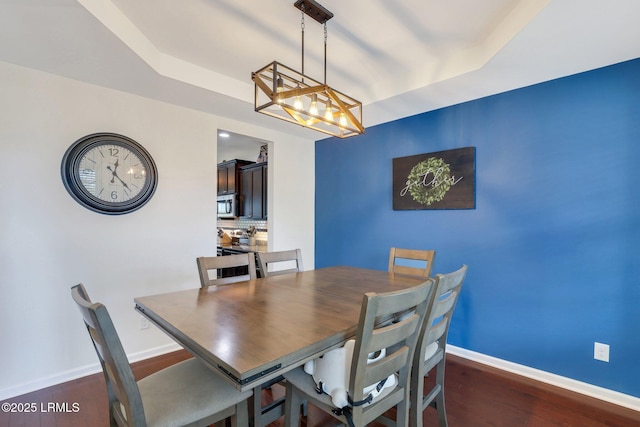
x=243, y=248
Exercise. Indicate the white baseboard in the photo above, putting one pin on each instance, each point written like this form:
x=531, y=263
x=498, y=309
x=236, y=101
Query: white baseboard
x=601, y=393
x=83, y=371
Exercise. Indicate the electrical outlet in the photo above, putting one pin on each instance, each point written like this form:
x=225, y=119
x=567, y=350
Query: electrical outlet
x=601, y=351
x=144, y=323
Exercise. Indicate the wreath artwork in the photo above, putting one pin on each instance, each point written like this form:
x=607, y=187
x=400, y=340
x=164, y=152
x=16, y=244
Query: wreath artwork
x=443, y=180
x=429, y=181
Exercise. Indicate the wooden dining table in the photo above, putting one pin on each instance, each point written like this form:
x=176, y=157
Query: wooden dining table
x=256, y=330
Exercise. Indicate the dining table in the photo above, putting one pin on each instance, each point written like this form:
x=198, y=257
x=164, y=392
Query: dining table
x=256, y=330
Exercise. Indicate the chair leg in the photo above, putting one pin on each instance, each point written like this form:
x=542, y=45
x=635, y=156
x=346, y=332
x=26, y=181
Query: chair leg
x=402, y=413
x=439, y=400
x=292, y=404
x=416, y=395
x=240, y=418
x=255, y=410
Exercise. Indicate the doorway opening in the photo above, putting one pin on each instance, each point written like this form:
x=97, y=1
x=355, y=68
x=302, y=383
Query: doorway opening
x=248, y=158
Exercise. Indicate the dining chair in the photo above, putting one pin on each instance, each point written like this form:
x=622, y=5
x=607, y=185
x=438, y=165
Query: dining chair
x=187, y=393
x=432, y=343
x=410, y=259
x=292, y=259
x=371, y=337
x=288, y=258
x=206, y=264
x=260, y=415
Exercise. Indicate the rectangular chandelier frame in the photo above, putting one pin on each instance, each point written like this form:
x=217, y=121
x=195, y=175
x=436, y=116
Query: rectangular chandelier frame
x=289, y=95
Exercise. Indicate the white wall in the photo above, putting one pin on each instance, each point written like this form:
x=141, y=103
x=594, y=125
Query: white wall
x=49, y=242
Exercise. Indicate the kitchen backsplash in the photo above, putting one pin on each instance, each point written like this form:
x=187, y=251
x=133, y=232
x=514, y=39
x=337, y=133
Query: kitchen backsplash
x=243, y=224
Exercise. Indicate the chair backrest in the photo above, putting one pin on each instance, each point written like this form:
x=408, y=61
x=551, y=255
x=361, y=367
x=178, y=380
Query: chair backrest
x=399, y=339
x=433, y=339
x=292, y=257
x=205, y=264
x=425, y=257
x=122, y=389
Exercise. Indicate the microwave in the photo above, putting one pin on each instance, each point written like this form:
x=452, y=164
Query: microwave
x=227, y=206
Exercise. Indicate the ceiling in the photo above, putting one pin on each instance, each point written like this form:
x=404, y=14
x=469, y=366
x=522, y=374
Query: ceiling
x=399, y=58
x=232, y=145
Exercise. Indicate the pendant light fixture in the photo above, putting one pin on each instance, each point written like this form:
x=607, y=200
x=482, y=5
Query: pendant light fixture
x=290, y=95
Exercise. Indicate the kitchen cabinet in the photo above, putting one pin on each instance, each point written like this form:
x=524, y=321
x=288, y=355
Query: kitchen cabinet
x=228, y=176
x=253, y=195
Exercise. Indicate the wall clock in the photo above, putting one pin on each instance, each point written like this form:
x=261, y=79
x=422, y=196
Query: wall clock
x=109, y=173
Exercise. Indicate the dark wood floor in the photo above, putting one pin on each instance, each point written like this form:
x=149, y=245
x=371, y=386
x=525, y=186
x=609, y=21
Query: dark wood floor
x=476, y=396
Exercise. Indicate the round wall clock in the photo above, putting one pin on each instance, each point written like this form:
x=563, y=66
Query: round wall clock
x=109, y=173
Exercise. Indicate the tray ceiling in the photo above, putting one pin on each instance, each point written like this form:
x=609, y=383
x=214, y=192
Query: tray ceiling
x=399, y=58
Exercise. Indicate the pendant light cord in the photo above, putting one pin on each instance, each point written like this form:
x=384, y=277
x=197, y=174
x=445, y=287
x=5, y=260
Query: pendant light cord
x=325, y=44
x=302, y=28
x=325, y=53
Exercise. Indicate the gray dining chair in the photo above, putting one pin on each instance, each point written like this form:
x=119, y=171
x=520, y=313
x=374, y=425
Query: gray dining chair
x=413, y=262
x=207, y=265
x=371, y=337
x=431, y=352
x=292, y=259
x=260, y=415
x=187, y=393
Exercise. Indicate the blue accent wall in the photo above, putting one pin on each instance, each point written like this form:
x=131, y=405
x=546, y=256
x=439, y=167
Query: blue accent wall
x=553, y=246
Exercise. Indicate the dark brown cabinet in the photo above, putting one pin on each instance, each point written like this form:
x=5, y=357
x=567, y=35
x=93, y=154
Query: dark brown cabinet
x=228, y=176
x=253, y=196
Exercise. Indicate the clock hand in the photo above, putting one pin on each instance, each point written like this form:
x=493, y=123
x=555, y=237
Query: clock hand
x=115, y=175
x=124, y=184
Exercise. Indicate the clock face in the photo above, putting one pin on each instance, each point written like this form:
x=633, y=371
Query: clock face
x=109, y=173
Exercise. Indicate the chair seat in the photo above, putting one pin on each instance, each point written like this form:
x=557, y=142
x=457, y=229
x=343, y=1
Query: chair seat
x=199, y=391
x=305, y=383
x=430, y=350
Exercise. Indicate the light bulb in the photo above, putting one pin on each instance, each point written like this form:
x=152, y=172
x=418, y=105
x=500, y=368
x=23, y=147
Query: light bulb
x=328, y=113
x=313, y=108
x=297, y=103
x=343, y=120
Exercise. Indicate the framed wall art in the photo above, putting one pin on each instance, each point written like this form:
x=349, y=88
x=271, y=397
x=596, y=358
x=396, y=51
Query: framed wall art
x=440, y=180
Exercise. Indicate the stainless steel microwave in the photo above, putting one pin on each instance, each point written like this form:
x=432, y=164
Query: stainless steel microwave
x=227, y=206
